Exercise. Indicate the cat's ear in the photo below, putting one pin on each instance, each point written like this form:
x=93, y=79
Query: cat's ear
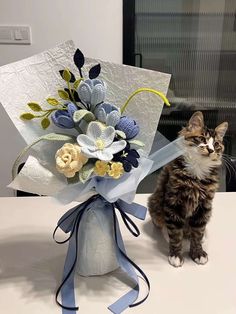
x=221, y=130
x=196, y=121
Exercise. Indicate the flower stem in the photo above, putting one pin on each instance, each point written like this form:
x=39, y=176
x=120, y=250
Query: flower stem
x=48, y=112
x=139, y=90
x=72, y=95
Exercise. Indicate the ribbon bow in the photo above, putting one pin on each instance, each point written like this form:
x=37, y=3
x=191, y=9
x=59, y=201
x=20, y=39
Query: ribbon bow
x=70, y=223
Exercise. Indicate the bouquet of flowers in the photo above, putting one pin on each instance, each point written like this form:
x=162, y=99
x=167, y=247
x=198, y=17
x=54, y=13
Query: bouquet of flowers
x=88, y=143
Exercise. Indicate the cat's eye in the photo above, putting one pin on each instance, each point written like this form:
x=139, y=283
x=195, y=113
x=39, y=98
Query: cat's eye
x=202, y=139
x=216, y=145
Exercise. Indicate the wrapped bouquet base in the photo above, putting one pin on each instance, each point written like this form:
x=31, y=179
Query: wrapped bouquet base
x=100, y=251
x=96, y=241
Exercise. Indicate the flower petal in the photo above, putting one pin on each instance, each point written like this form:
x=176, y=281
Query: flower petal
x=94, y=130
x=108, y=135
x=71, y=108
x=89, y=153
x=89, y=83
x=85, y=141
x=113, y=118
x=117, y=146
x=66, y=122
x=84, y=92
x=104, y=155
x=127, y=166
x=97, y=81
x=134, y=153
x=98, y=94
x=132, y=160
x=101, y=115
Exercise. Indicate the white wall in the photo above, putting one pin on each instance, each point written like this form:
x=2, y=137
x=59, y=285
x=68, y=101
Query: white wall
x=94, y=25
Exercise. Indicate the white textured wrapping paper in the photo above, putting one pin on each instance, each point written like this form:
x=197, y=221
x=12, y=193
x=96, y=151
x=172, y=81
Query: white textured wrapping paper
x=35, y=79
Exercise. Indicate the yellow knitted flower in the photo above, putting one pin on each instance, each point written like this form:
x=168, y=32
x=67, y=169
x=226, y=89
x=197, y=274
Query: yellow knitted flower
x=101, y=168
x=116, y=170
x=70, y=159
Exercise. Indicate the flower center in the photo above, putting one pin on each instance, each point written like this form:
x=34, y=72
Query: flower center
x=124, y=154
x=100, y=144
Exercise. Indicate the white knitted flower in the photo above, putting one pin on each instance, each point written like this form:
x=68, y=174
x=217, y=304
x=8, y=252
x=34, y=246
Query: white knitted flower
x=98, y=142
x=70, y=159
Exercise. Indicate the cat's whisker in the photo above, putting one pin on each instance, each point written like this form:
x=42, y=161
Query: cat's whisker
x=230, y=167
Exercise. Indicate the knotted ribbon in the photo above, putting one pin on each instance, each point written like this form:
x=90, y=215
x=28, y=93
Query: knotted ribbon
x=70, y=223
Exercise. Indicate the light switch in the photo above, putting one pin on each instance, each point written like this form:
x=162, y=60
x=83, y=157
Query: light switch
x=19, y=35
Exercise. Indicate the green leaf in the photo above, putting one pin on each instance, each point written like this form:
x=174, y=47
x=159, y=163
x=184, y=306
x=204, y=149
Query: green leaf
x=27, y=116
x=66, y=75
x=76, y=83
x=58, y=137
x=86, y=172
x=137, y=143
x=52, y=101
x=83, y=114
x=34, y=106
x=45, y=123
x=121, y=134
x=63, y=94
x=74, y=179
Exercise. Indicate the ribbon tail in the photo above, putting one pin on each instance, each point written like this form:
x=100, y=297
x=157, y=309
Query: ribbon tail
x=67, y=290
x=129, y=298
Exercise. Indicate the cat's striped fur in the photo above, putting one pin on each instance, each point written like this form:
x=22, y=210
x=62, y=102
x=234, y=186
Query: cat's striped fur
x=182, y=200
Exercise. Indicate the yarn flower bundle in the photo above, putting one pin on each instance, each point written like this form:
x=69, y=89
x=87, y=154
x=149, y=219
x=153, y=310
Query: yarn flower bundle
x=94, y=151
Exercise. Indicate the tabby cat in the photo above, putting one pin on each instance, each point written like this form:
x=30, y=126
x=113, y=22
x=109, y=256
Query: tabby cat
x=182, y=200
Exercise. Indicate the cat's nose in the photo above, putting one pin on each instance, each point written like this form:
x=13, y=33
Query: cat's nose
x=210, y=150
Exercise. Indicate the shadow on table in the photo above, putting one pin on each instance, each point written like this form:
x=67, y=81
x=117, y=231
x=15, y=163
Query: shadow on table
x=159, y=242
x=34, y=263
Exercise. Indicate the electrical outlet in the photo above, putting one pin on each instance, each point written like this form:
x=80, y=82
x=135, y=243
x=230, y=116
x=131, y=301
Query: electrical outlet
x=16, y=35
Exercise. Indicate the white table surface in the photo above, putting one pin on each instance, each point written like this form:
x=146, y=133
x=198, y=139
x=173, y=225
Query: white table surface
x=31, y=264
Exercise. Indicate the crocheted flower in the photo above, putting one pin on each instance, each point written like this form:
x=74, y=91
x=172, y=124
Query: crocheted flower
x=70, y=159
x=98, y=142
x=128, y=126
x=128, y=157
x=108, y=114
x=64, y=118
x=92, y=92
x=116, y=170
x=101, y=168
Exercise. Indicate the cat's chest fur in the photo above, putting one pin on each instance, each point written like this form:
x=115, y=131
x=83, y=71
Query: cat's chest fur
x=199, y=167
x=199, y=181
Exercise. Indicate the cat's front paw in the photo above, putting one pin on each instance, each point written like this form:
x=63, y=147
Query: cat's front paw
x=176, y=261
x=199, y=257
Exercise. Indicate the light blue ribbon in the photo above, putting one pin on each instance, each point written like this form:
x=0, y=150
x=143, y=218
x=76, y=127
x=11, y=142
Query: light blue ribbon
x=69, y=223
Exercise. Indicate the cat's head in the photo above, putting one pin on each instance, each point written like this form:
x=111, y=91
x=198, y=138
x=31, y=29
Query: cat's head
x=200, y=140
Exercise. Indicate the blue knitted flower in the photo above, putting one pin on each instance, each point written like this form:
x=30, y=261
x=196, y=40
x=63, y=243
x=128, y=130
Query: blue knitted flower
x=92, y=92
x=64, y=118
x=108, y=114
x=128, y=126
x=128, y=157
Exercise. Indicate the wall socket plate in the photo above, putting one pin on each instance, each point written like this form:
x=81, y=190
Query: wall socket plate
x=16, y=35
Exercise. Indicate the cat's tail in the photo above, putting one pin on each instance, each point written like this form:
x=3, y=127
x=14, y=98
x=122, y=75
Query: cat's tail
x=155, y=201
